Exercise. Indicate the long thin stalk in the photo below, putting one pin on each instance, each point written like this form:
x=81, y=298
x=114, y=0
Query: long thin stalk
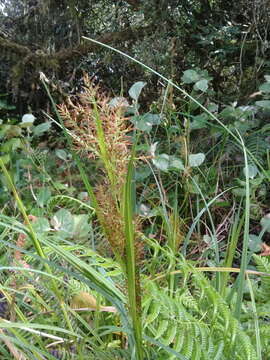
x=243, y=266
x=213, y=269
x=256, y=320
x=230, y=253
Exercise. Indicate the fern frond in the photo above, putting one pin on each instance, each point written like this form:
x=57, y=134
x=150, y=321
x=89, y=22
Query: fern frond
x=197, y=325
x=68, y=202
x=257, y=146
x=263, y=265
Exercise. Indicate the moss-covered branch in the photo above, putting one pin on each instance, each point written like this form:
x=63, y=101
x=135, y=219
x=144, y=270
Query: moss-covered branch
x=80, y=50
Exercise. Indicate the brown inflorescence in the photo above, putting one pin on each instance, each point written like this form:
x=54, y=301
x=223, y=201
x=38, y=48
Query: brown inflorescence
x=80, y=117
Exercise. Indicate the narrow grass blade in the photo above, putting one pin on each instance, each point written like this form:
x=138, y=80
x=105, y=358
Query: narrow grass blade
x=256, y=321
x=243, y=267
x=133, y=280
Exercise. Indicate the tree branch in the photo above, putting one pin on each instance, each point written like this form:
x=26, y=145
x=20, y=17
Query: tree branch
x=77, y=51
x=14, y=47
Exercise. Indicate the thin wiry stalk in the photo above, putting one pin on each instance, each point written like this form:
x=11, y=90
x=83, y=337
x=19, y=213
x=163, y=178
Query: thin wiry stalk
x=213, y=235
x=197, y=218
x=170, y=231
x=256, y=321
x=233, y=240
x=243, y=267
x=215, y=269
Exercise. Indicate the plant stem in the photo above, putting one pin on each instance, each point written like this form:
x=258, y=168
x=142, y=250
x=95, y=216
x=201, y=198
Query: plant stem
x=133, y=280
x=245, y=241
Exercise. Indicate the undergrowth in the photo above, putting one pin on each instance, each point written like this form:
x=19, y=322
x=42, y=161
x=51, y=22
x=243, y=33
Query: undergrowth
x=144, y=244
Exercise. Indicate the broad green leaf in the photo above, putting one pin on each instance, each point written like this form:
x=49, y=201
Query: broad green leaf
x=252, y=171
x=239, y=192
x=190, y=76
x=162, y=162
x=265, y=87
x=63, y=221
x=263, y=103
x=135, y=90
x=193, y=189
x=81, y=227
x=257, y=181
x=141, y=123
x=201, y=85
x=118, y=101
x=41, y=225
x=212, y=107
x=256, y=211
x=146, y=121
x=199, y=122
x=254, y=243
x=265, y=222
x=41, y=128
x=193, y=106
x=153, y=119
x=5, y=106
x=61, y=154
x=142, y=173
x=176, y=163
x=43, y=196
x=228, y=112
x=196, y=159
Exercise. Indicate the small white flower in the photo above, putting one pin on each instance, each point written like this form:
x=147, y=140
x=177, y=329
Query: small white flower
x=28, y=118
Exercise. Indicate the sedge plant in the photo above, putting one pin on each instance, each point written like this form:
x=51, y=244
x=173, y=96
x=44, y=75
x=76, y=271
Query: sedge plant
x=96, y=129
x=101, y=131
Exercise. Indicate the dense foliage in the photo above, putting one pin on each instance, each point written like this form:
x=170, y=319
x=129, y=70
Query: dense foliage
x=229, y=40
x=135, y=169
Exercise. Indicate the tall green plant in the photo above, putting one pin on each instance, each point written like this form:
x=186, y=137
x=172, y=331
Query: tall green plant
x=100, y=130
x=132, y=269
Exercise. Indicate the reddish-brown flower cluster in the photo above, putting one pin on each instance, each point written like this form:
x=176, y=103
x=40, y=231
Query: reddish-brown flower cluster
x=100, y=130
